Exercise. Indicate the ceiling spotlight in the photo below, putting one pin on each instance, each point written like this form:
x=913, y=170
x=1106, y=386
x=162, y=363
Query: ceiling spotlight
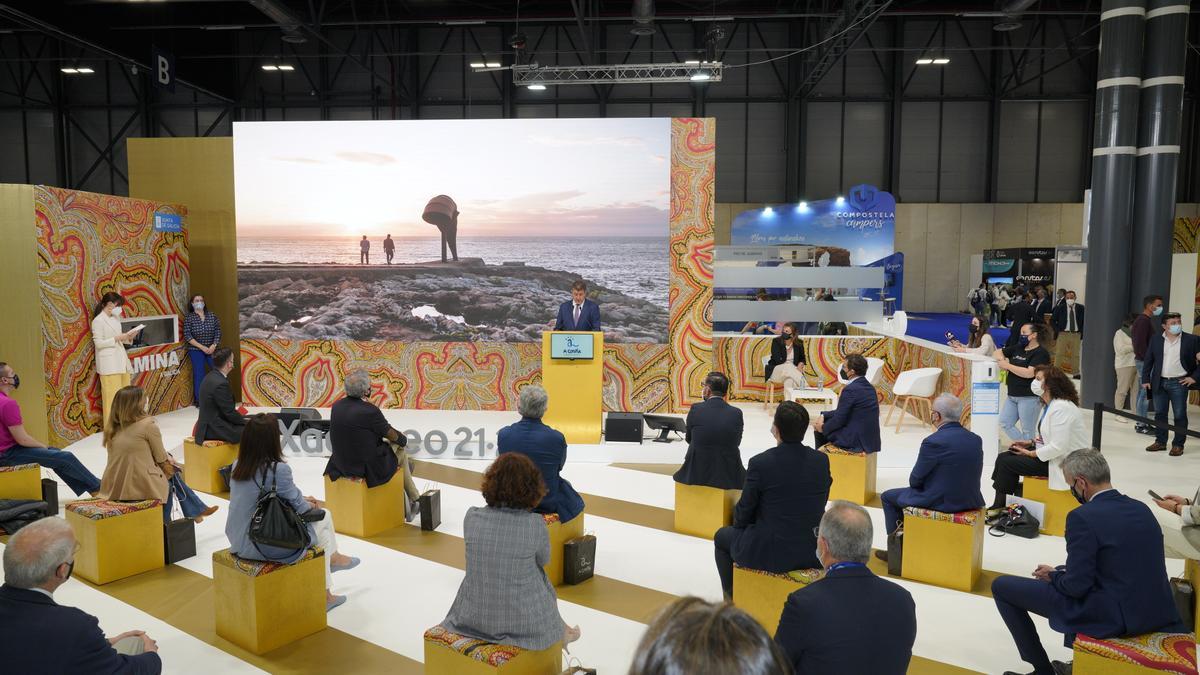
x=802, y=206
x=267, y=66
x=924, y=62
x=477, y=64
x=693, y=62
x=941, y=61
x=701, y=76
x=536, y=87
x=840, y=200
x=286, y=68
x=768, y=211
x=493, y=64
x=69, y=71
x=84, y=71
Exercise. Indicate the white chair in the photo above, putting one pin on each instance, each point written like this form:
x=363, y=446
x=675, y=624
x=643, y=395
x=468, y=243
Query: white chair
x=899, y=323
x=916, y=388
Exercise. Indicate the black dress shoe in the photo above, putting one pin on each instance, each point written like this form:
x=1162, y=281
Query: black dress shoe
x=882, y=555
x=1061, y=667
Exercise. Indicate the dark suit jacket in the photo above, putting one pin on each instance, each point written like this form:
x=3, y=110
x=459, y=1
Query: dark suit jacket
x=547, y=448
x=1021, y=313
x=219, y=419
x=849, y=623
x=589, y=316
x=782, y=501
x=946, y=475
x=1115, y=580
x=714, y=432
x=41, y=636
x=357, y=431
x=1152, y=366
x=779, y=354
x=1058, y=318
x=1041, y=308
x=854, y=424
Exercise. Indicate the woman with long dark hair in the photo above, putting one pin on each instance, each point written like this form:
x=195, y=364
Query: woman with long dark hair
x=202, y=334
x=112, y=363
x=260, y=463
x=979, y=340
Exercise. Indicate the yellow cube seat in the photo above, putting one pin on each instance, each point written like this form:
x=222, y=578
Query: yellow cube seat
x=701, y=510
x=261, y=606
x=21, y=481
x=943, y=549
x=448, y=653
x=560, y=533
x=360, y=511
x=202, y=462
x=1191, y=571
x=116, y=539
x=762, y=594
x=1058, y=504
x=853, y=474
x=1137, y=655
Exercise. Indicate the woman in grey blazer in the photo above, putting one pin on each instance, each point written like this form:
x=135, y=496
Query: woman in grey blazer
x=505, y=597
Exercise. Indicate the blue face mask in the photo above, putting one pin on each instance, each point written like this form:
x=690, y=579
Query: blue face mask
x=1175, y=329
x=1158, y=310
x=1023, y=340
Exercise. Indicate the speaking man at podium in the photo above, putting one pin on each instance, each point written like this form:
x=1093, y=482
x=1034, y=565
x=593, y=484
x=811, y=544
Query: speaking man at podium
x=578, y=313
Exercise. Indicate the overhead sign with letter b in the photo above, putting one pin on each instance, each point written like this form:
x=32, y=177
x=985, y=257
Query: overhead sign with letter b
x=162, y=67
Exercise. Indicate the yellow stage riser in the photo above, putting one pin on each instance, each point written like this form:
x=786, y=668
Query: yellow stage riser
x=560, y=534
x=762, y=596
x=360, y=511
x=266, y=612
x=1191, y=570
x=700, y=511
x=201, y=465
x=441, y=660
x=118, y=547
x=23, y=484
x=1058, y=504
x=853, y=477
x=943, y=553
x=575, y=389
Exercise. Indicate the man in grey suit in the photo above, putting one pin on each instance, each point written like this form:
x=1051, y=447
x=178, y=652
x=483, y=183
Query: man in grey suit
x=1180, y=521
x=219, y=418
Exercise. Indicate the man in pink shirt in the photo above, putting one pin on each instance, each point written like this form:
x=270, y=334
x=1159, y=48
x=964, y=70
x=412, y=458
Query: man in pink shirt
x=18, y=447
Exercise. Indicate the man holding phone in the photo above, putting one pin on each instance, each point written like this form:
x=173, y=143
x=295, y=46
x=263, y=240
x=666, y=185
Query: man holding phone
x=1180, y=522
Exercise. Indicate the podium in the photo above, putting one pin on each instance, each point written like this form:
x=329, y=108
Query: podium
x=573, y=376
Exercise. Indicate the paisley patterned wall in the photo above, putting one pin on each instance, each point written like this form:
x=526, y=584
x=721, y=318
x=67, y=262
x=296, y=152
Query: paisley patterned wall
x=486, y=376
x=87, y=244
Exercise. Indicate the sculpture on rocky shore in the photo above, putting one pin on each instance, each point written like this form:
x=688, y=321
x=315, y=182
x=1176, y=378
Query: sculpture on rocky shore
x=443, y=212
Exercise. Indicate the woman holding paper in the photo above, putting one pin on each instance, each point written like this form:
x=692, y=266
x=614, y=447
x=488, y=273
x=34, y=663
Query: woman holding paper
x=112, y=363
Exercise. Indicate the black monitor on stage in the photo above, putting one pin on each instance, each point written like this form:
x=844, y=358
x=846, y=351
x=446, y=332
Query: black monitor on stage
x=665, y=424
x=309, y=418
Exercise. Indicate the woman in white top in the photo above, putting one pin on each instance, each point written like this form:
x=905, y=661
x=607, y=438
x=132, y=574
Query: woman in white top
x=979, y=340
x=112, y=363
x=1123, y=363
x=1060, y=431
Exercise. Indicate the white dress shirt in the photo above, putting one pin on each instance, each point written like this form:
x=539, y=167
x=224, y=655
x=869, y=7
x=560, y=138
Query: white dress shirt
x=1171, y=366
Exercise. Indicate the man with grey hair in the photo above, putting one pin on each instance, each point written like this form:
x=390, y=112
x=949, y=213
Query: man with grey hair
x=1114, y=583
x=946, y=475
x=547, y=447
x=364, y=445
x=825, y=625
x=41, y=636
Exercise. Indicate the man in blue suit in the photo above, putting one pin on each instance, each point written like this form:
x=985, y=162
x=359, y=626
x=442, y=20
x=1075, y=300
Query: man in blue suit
x=854, y=424
x=782, y=503
x=1114, y=583
x=850, y=622
x=41, y=636
x=946, y=475
x=578, y=313
x=547, y=448
x=1170, y=369
x=714, y=434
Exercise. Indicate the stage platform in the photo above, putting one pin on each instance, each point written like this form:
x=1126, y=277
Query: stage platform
x=408, y=579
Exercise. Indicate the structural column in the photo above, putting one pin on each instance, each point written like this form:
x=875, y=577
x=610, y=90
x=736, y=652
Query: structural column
x=1160, y=118
x=1114, y=147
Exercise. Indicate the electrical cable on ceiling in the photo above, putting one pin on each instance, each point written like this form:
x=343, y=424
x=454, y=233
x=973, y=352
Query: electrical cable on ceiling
x=814, y=45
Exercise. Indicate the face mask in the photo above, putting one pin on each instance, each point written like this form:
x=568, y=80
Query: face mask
x=15, y=381
x=198, y=306
x=843, y=374
x=1077, y=495
x=1023, y=340
x=1157, y=310
x=117, y=311
x=1070, y=302
x=1175, y=329
x=70, y=569
x=1036, y=387
x=787, y=336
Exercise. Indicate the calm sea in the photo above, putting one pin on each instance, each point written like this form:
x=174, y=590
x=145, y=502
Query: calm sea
x=635, y=266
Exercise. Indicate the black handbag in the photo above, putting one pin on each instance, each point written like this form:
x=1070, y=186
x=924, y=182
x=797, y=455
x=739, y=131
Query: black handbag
x=50, y=495
x=275, y=522
x=179, y=540
x=431, y=509
x=895, y=551
x=579, y=559
x=1017, y=520
x=1185, y=598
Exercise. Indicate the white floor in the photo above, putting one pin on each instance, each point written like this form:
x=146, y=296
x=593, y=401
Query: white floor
x=394, y=597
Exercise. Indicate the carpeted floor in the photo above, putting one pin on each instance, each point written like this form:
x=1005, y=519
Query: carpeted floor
x=932, y=326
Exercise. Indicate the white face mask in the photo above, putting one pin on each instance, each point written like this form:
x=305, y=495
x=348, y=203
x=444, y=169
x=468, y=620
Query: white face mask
x=117, y=311
x=1070, y=302
x=1036, y=387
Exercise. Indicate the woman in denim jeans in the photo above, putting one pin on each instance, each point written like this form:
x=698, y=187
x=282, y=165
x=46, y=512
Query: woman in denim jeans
x=1019, y=414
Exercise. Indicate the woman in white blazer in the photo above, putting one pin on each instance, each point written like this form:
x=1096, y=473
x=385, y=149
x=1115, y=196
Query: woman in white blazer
x=1060, y=431
x=112, y=363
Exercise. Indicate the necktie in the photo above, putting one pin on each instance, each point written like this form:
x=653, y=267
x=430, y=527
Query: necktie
x=576, y=315
x=1071, y=317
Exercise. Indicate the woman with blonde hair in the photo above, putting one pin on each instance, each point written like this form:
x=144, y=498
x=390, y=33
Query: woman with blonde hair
x=138, y=464
x=112, y=363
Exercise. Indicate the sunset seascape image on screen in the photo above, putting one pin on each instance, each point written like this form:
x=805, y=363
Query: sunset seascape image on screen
x=454, y=230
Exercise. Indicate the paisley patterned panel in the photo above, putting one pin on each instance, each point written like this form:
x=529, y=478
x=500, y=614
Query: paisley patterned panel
x=90, y=243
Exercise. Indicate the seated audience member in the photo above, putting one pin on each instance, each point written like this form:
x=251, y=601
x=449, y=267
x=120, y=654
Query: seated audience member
x=854, y=424
x=1060, y=431
x=138, y=465
x=547, y=448
x=714, y=434
x=782, y=502
x=979, y=340
x=364, y=445
x=41, y=636
x=851, y=621
x=219, y=419
x=260, y=463
x=946, y=475
x=706, y=638
x=786, y=365
x=1179, y=518
x=1114, y=583
x=18, y=447
x=505, y=596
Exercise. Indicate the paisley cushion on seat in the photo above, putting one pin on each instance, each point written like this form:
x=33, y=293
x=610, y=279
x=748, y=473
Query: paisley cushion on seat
x=961, y=518
x=257, y=568
x=487, y=652
x=800, y=576
x=831, y=449
x=99, y=509
x=550, y=517
x=18, y=467
x=1167, y=652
